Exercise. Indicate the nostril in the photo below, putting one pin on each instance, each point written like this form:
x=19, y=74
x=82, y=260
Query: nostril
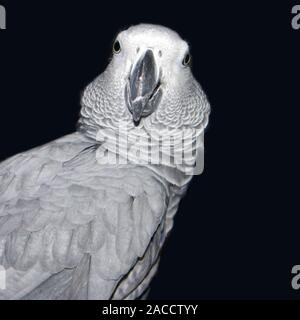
x=159, y=53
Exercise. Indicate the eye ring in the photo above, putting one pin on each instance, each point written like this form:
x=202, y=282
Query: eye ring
x=116, y=47
x=187, y=60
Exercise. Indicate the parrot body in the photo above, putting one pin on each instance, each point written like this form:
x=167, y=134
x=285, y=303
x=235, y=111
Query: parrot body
x=73, y=227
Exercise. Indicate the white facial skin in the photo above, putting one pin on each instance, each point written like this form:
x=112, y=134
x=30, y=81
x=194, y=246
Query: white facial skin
x=183, y=104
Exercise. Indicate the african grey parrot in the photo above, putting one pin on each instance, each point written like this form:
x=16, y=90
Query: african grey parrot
x=74, y=224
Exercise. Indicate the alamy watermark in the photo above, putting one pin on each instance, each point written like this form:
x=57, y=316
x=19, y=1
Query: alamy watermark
x=181, y=149
x=296, y=279
x=296, y=18
x=2, y=278
x=2, y=18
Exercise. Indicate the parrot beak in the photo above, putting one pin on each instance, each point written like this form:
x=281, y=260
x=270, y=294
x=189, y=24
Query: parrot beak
x=143, y=91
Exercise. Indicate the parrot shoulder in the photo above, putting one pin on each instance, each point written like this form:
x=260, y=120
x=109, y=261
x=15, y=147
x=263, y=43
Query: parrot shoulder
x=60, y=210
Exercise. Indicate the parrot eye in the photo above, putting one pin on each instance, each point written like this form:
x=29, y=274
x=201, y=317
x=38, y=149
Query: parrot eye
x=187, y=60
x=117, y=47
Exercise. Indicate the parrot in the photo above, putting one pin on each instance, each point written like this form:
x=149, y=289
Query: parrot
x=85, y=217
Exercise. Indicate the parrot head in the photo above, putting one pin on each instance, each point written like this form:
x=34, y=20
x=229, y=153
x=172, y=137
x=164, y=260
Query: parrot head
x=149, y=89
x=148, y=83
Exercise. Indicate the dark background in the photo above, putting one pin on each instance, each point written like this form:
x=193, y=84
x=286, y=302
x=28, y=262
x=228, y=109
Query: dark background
x=236, y=235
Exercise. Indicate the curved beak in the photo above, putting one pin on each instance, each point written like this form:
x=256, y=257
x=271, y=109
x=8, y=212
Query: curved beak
x=143, y=91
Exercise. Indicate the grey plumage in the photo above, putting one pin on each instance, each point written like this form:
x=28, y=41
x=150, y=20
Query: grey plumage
x=71, y=228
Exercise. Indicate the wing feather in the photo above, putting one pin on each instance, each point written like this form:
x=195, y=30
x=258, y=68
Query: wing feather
x=59, y=205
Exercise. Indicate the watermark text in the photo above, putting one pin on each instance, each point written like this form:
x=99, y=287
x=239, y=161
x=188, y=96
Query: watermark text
x=2, y=18
x=296, y=18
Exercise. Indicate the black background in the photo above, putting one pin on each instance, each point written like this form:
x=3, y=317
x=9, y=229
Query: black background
x=236, y=235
